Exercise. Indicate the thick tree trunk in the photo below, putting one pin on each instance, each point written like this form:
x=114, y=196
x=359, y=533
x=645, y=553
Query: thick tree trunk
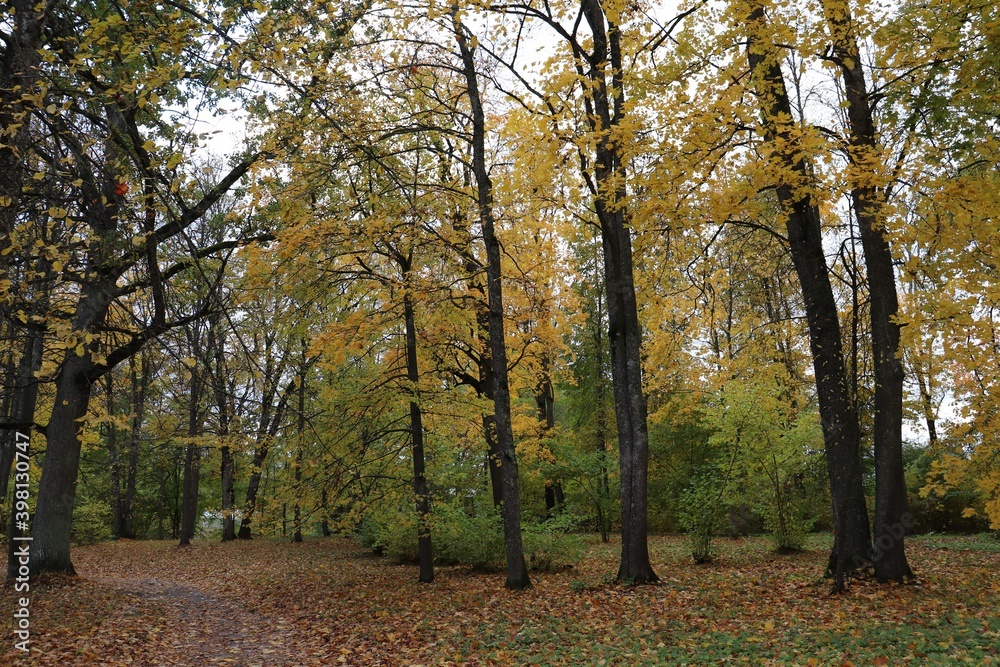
x=23, y=403
x=517, y=569
x=425, y=553
x=624, y=334
x=23, y=37
x=57, y=488
x=852, y=542
x=892, y=517
x=52, y=529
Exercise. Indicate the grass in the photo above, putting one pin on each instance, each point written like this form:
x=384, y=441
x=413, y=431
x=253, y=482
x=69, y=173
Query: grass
x=328, y=603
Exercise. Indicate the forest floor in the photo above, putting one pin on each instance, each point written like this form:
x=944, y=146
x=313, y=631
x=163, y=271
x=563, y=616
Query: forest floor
x=269, y=603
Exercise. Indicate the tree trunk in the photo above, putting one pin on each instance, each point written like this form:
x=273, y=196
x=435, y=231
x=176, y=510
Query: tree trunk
x=227, y=473
x=23, y=403
x=266, y=430
x=425, y=554
x=517, y=569
x=852, y=541
x=140, y=390
x=892, y=517
x=606, y=110
x=192, y=463
x=53, y=525
x=23, y=37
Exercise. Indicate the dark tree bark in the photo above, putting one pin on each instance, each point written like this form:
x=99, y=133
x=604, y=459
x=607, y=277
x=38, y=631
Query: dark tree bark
x=605, y=109
x=517, y=569
x=300, y=431
x=545, y=401
x=425, y=553
x=20, y=57
x=53, y=525
x=24, y=401
x=852, y=542
x=892, y=517
x=192, y=458
x=267, y=428
x=220, y=389
x=326, y=517
x=125, y=459
x=483, y=382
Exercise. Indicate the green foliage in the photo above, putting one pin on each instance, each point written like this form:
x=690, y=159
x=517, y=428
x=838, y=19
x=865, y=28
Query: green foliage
x=91, y=522
x=473, y=540
x=702, y=511
x=772, y=446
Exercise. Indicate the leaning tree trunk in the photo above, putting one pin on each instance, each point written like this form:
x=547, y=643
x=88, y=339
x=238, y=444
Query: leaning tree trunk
x=266, y=430
x=517, y=569
x=838, y=413
x=53, y=523
x=892, y=517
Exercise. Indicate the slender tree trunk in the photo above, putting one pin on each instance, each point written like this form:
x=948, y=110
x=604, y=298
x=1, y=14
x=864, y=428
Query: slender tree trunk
x=545, y=401
x=301, y=432
x=892, y=517
x=326, y=517
x=484, y=363
x=486, y=382
x=114, y=456
x=220, y=389
x=141, y=379
x=517, y=569
x=192, y=464
x=425, y=554
x=266, y=430
x=852, y=542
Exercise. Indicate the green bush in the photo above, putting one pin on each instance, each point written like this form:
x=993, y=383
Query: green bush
x=91, y=522
x=551, y=545
x=701, y=513
x=476, y=540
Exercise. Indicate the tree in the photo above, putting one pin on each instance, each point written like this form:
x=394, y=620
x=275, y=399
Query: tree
x=517, y=570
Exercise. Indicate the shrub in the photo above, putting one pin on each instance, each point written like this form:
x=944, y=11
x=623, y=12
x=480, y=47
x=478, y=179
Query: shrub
x=701, y=513
x=91, y=522
x=460, y=538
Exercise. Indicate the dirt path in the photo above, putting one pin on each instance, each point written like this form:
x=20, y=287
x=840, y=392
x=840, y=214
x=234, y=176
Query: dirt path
x=187, y=625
